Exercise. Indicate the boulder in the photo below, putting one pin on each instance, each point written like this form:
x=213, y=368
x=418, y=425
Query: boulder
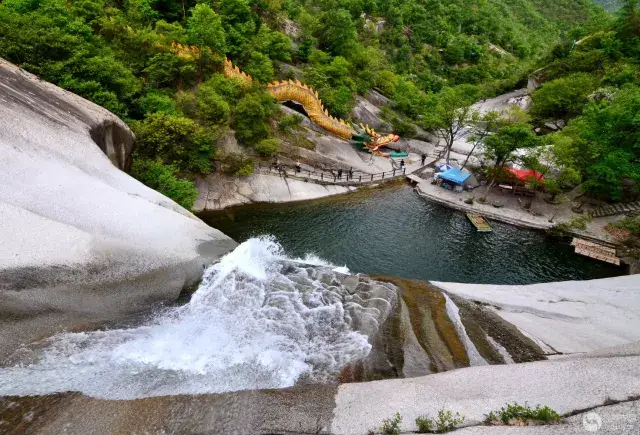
x=367, y=113
x=81, y=242
x=376, y=98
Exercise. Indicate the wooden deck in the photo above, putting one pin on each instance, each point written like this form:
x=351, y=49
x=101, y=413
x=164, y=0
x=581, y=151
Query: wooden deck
x=596, y=251
x=479, y=222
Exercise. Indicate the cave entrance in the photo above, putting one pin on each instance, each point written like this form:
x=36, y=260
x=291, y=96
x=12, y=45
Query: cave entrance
x=296, y=106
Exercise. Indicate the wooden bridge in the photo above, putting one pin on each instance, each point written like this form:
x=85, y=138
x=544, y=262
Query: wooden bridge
x=331, y=177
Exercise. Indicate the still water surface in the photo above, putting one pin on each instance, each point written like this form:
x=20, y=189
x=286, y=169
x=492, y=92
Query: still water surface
x=393, y=231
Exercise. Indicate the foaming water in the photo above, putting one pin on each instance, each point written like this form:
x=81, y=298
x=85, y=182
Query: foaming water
x=258, y=320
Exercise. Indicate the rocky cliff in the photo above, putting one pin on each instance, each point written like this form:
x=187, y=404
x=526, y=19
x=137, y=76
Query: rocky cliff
x=80, y=241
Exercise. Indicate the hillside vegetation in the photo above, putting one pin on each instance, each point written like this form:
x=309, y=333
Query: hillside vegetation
x=121, y=55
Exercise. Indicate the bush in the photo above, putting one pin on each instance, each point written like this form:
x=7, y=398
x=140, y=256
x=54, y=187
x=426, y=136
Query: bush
x=163, y=179
x=514, y=414
x=445, y=422
x=268, y=147
x=250, y=117
x=175, y=140
x=238, y=164
x=289, y=122
x=425, y=424
x=391, y=426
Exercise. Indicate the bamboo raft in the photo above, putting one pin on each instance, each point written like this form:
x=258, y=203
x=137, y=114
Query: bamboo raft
x=596, y=251
x=479, y=222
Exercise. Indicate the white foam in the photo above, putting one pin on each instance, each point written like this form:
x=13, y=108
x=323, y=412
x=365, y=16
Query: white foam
x=247, y=326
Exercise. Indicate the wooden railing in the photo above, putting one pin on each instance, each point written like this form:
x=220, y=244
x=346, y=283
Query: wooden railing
x=327, y=177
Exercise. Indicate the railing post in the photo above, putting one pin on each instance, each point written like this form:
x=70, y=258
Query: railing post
x=322, y=176
x=360, y=180
x=394, y=172
x=371, y=177
x=383, y=175
x=404, y=170
x=334, y=178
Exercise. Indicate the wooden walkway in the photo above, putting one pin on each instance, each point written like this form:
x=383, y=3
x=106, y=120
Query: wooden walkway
x=595, y=251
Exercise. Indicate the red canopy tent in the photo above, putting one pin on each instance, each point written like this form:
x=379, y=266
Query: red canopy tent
x=525, y=175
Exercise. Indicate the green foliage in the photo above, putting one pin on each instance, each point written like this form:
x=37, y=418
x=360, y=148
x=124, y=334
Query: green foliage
x=153, y=102
x=268, y=147
x=204, y=28
x=250, y=117
x=175, y=140
x=425, y=424
x=631, y=224
x=517, y=414
x=563, y=98
x=501, y=146
x=163, y=178
x=211, y=108
x=289, y=122
x=579, y=223
x=391, y=426
x=336, y=32
x=447, y=421
x=260, y=67
x=238, y=164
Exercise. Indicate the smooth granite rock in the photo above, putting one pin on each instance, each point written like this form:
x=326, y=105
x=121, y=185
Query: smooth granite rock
x=81, y=242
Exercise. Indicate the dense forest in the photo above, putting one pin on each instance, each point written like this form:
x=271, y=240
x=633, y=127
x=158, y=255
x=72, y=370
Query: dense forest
x=431, y=57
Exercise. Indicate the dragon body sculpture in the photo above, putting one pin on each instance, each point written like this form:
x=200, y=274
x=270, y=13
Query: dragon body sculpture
x=363, y=137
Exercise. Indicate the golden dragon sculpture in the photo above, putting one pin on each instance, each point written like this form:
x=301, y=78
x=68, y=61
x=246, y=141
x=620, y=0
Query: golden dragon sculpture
x=363, y=137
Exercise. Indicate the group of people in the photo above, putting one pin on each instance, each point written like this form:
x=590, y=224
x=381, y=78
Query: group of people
x=278, y=167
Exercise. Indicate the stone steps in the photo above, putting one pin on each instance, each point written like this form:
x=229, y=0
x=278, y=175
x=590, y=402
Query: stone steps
x=614, y=209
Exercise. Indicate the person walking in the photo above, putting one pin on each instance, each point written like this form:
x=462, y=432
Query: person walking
x=298, y=167
x=402, y=164
x=350, y=173
x=423, y=158
x=339, y=174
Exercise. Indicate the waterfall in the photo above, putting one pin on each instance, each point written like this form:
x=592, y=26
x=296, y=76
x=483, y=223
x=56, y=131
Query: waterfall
x=258, y=320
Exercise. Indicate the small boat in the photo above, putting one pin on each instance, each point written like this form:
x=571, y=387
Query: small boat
x=479, y=222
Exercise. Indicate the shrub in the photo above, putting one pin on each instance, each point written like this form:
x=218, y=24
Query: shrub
x=425, y=424
x=447, y=421
x=251, y=116
x=517, y=414
x=163, y=178
x=289, y=122
x=268, y=147
x=391, y=426
x=175, y=140
x=238, y=164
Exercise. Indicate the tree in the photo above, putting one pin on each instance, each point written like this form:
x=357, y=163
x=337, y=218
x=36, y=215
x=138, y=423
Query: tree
x=250, y=118
x=260, y=67
x=452, y=113
x=175, y=140
x=211, y=108
x=562, y=99
x=336, y=33
x=480, y=130
x=500, y=147
x=204, y=29
x=163, y=178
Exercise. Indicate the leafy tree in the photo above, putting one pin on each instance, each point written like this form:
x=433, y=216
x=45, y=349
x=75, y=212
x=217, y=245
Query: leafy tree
x=153, y=102
x=250, y=117
x=452, y=113
x=260, y=67
x=175, y=141
x=164, y=179
x=239, y=23
x=210, y=107
x=562, y=99
x=204, y=28
x=337, y=32
x=501, y=146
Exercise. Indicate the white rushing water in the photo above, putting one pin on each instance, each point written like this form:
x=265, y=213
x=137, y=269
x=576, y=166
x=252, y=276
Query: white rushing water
x=258, y=320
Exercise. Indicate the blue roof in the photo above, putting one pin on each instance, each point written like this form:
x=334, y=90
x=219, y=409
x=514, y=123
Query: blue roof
x=455, y=175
